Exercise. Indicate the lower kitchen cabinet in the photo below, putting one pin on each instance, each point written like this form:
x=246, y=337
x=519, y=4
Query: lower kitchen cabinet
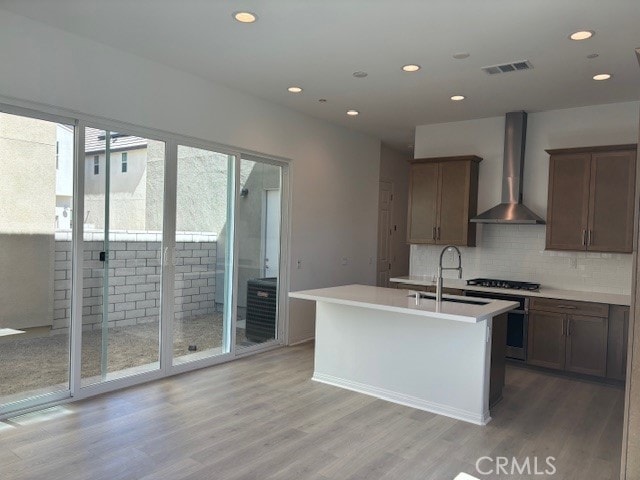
x=569, y=341
x=546, y=346
x=617, y=342
x=586, y=345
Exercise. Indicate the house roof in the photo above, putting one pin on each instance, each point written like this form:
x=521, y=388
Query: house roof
x=94, y=141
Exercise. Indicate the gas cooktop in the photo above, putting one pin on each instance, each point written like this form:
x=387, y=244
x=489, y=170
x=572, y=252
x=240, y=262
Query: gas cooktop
x=495, y=283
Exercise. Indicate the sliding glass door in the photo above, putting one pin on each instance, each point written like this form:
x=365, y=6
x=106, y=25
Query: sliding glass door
x=203, y=243
x=259, y=245
x=36, y=208
x=123, y=213
x=179, y=264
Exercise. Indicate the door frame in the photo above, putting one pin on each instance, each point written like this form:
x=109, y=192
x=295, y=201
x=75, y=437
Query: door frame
x=392, y=190
x=633, y=358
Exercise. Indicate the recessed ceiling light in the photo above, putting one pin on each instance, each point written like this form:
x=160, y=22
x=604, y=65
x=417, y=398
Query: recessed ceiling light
x=360, y=74
x=245, y=17
x=322, y=100
x=592, y=55
x=602, y=76
x=294, y=89
x=581, y=35
x=353, y=113
x=411, y=67
x=461, y=55
x=457, y=98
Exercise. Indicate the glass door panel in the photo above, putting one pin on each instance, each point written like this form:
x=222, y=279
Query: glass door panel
x=36, y=207
x=259, y=245
x=124, y=188
x=204, y=229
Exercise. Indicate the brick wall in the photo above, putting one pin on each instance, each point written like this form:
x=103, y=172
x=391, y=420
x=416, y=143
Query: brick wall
x=134, y=278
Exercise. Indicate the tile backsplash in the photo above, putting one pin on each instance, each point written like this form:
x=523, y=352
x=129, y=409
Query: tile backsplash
x=516, y=252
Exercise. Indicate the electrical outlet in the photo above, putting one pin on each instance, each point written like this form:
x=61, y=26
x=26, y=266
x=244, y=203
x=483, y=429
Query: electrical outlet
x=345, y=261
x=299, y=264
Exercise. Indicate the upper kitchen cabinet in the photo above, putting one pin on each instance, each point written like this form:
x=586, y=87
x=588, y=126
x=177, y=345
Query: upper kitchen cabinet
x=443, y=197
x=591, y=198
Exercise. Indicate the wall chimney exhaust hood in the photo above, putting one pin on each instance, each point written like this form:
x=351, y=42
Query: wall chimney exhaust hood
x=511, y=210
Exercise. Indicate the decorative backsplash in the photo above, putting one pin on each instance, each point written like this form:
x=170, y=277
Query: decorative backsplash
x=516, y=252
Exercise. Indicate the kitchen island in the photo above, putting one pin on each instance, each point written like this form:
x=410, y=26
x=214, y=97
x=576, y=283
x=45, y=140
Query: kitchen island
x=446, y=358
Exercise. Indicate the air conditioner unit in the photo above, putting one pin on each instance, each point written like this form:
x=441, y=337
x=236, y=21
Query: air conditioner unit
x=262, y=304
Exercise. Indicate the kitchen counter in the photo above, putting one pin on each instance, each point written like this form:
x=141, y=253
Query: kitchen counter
x=546, y=292
x=444, y=358
x=398, y=301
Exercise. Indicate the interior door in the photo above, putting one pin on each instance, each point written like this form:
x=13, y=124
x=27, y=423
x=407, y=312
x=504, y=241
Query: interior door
x=122, y=269
x=385, y=199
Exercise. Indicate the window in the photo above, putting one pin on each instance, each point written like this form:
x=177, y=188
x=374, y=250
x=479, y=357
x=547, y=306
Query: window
x=96, y=164
x=124, y=162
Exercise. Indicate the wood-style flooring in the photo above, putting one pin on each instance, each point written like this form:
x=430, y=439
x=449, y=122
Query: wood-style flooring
x=262, y=418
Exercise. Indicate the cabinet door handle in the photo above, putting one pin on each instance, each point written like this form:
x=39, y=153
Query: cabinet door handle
x=584, y=238
x=563, y=321
x=589, y=234
x=438, y=233
x=569, y=307
x=568, y=327
x=433, y=235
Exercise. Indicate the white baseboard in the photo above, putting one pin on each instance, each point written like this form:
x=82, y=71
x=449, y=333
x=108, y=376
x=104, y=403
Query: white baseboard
x=404, y=399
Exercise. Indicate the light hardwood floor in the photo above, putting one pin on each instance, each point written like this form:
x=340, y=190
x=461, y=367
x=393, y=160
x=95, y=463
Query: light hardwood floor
x=262, y=418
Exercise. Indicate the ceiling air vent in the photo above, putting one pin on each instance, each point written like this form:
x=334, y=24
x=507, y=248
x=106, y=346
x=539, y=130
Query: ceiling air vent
x=508, y=67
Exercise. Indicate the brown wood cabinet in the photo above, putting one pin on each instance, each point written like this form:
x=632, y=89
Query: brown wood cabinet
x=617, y=343
x=575, y=341
x=591, y=198
x=443, y=197
x=546, y=340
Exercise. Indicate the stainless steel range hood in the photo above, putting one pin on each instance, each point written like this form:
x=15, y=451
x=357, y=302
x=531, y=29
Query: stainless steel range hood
x=511, y=210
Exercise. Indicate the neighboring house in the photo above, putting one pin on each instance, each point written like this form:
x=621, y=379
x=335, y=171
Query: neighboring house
x=128, y=181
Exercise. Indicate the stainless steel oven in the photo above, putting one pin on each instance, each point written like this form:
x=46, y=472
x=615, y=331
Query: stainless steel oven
x=517, y=322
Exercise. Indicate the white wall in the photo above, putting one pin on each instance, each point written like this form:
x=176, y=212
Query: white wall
x=335, y=170
x=517, y=252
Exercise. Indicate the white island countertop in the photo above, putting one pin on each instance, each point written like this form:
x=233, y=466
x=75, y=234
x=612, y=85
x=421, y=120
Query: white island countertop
x=397, y=301
x=546, y=292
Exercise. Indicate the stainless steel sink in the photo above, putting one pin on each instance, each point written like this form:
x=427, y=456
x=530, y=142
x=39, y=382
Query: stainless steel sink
x=432, y=296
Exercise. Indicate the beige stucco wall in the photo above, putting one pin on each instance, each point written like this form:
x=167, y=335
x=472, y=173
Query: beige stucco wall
x=27, y=217
x=202, y=190
x=128, y=191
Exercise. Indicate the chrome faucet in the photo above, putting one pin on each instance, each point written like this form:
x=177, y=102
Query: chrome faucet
x=441, y=268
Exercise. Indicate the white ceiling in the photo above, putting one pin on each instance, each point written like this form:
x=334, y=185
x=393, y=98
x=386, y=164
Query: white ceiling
x=318, y=44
